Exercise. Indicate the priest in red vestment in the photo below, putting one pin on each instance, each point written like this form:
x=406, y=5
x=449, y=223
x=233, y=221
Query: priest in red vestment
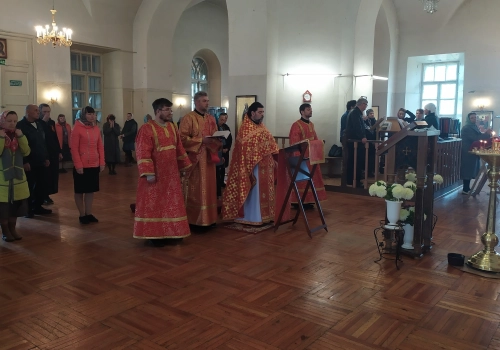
x=200, y=187
x=160, y=213
x=249, y=196
x=303, y=129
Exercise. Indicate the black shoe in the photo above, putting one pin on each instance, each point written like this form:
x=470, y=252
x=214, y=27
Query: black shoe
x=308, y=206
x=8, y=239
x=42, y=211
x=157, y=243
x=84, y=220
x=132, y=207
x=171, y=241
x=48, y=200
x=91, y=218
x=62, y=171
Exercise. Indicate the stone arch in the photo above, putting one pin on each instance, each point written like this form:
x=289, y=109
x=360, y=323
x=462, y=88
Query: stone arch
x=364, y=51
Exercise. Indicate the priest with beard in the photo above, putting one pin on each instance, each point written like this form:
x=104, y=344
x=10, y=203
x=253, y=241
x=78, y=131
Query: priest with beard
x=249, y=195
x=160, y=212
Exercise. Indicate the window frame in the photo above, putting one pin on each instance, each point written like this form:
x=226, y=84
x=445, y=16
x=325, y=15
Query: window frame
x=198, y=82
x=86, y=88
x=439, y=84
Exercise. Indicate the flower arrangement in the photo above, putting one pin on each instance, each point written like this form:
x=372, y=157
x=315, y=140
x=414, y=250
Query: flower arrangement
x=412, y=176
x=394, y=192
x=407, y=216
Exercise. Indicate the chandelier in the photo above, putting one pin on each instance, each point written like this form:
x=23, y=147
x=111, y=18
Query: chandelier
x=430, y=6
x=46, y=35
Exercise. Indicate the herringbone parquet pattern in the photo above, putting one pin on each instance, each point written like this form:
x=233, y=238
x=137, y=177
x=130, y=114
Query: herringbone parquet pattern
x=66, y=286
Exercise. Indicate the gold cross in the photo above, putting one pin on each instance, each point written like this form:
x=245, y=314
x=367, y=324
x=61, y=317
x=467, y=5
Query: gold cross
x=406, y=151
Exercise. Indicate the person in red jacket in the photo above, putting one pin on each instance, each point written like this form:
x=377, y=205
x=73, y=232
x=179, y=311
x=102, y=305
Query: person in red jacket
x=63, y=131
x=87, y=151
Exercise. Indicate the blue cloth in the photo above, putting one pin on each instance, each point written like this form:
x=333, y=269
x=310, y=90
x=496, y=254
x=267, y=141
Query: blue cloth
x=251, y=207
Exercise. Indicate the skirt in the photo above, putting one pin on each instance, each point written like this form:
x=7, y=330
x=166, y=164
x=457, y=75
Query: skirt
x=16, y=209
x=88, y=182
x=66, y=153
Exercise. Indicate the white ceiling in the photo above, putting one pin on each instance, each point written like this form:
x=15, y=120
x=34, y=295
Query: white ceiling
x=412, y=17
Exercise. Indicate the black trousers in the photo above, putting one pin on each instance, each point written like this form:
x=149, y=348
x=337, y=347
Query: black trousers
x=37, y=184
x=220, y=174
x=360, y=162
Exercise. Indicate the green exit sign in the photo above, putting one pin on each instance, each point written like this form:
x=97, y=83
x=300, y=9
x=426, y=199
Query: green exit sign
x=16, y=83
x=2, y=62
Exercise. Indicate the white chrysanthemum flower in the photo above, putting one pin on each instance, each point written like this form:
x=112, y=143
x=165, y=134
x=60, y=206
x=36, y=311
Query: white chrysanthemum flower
x=373, y=189
x=398, y=191
x=403, y=214
x=438, y=179
x=408, y=193
x=411, y=177
x=409, y=184
x=411, y=208
x=381, y=191
x=380, y=183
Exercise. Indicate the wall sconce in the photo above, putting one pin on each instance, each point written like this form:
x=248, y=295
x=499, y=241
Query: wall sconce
x=374, y=77
x=180, y=102
x=52, y=96
x=482, y=103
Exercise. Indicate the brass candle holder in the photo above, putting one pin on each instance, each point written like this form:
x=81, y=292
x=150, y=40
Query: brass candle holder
x=488, y=259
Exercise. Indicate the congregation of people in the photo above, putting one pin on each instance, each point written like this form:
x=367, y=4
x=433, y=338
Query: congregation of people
x=182, y=183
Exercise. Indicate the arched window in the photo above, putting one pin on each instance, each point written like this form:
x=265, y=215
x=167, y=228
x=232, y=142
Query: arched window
x=199, y=77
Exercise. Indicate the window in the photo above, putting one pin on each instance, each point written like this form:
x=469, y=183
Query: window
x=440, y=86
x=86, y=83
x=199, y=77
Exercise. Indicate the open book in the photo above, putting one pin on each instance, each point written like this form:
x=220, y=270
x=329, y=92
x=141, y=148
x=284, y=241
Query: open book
x=225, y=134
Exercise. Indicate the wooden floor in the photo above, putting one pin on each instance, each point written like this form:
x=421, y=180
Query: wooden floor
x=66, y=286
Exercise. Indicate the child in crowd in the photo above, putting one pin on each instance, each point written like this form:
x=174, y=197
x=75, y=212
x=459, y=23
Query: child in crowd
x=14, y=190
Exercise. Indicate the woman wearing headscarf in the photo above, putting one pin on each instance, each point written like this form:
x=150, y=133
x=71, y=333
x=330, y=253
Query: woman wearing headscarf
x=63, y=131
x=430, y=115
x=111, y=131
x=87, y=151
x=469, y=166
x=14, y=191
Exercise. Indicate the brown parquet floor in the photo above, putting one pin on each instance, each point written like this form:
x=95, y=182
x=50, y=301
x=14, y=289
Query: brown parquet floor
x=67, y=286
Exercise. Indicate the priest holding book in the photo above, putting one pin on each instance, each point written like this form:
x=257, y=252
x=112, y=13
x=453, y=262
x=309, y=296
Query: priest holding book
x=249, y=195
x=196, y=129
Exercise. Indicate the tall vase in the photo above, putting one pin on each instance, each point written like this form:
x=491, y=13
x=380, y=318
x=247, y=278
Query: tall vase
x=408, y=241
x=393, y=210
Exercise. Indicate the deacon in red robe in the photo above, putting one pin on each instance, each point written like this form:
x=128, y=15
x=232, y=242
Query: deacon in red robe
x=200, y=187
x=160, y=213
x=303, y=129
x=249, y=197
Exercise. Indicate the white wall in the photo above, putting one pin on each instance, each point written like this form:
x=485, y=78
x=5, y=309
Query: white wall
x=189, y=40
x=462, y=33
x=381, y=60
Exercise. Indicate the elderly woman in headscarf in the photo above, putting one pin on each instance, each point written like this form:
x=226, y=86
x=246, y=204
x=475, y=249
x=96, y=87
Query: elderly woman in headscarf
x=14, y=191
x=469, y=166
x=430, y=115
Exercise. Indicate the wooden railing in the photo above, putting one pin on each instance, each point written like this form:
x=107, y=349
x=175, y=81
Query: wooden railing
x=282, y=141
x=366, y=165
x=448, y=162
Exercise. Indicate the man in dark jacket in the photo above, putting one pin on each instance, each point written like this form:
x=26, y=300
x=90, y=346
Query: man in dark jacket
x=355, y=131
x=36, y=162
x=343, y=120
x=129, y=132
x=54, y=150
x=224, y=154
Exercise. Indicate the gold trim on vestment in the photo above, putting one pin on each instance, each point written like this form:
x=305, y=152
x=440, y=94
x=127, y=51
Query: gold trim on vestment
x=147, y=174
x=160, y=219
x=145, y=161
x=203, y=207
x=190, y=165
x=166, y=148
x=182, y=157
x=165, y=237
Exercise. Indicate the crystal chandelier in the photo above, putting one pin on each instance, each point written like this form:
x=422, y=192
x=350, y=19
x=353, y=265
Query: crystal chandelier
x=46, y=35
x=430, y=6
